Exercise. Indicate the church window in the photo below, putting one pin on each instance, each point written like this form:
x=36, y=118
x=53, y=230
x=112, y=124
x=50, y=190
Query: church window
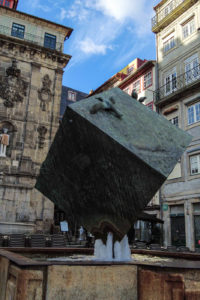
x=50, y=41
x=18, y=30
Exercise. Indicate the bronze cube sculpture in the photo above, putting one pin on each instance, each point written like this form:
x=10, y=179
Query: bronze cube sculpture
x=109, y=157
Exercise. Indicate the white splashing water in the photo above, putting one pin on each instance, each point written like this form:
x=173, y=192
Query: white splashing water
x=125, y=249
x=104, y=252
x=109, y=246
x=122, y=250
x=117, y=251
x=99, y=250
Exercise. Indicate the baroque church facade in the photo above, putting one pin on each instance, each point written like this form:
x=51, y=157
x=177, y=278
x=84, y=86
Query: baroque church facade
x=31, y=70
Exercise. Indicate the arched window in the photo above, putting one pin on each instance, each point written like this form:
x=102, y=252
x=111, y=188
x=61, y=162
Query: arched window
x=6, y=138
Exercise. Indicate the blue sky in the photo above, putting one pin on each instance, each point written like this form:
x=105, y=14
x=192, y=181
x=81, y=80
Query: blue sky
x=108, y=34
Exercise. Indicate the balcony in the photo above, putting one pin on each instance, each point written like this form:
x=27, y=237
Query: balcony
x=178, y=86
x=19, y=34
x=169, y=13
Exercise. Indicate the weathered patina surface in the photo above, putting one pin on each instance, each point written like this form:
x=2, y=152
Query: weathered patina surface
x=22, y=284
x=167, y=284
x=92, y=282
x=28, y=278
x=4, y=266
x=103, y=169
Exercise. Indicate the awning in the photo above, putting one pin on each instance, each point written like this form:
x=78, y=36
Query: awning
x=150, y=218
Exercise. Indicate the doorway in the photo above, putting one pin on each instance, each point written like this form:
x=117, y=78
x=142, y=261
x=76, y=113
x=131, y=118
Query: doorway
x=178, y=230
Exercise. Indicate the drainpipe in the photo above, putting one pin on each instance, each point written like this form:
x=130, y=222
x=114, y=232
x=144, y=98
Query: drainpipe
x=161, y=215
x=157, y=110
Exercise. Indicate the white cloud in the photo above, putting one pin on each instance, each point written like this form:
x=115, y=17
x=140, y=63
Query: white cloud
x=119, y=9
x=35, y=4
x=63, y=14
x=77, y=11
x=45, y=8
x=88, y=46
x=98, y=24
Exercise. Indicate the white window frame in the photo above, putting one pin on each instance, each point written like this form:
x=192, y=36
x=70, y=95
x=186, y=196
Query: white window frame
x=170, y=81
x=193, y=112
x=168, y=8
x=137, y=86
x=148, y=81
x=169, y=42
x=71, y=96
x=195, y=164
x=192, y=69
x=188, y=28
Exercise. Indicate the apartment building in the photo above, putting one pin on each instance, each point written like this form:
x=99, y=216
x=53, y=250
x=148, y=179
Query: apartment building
x=177, y=28
x=143, y=81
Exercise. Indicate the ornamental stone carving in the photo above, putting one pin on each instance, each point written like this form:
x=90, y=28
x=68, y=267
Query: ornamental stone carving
x=12, y=87
x=42, y=130
x=45, y=94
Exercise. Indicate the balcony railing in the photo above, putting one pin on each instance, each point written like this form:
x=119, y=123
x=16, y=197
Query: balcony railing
x=165, y=11
x=178, y=83
x=31, y=38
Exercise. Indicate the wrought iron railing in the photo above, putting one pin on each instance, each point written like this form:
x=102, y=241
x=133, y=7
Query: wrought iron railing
x=177, y=83
x=31, y=38
x=165, y=11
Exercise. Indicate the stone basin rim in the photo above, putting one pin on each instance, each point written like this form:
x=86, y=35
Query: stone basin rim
x=192, y=261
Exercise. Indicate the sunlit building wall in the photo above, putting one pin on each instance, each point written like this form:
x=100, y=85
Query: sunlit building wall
x=176, y=25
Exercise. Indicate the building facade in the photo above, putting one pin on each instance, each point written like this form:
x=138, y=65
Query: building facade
x=31, y=70
x=69, y=96
x=176, y=26
x=143, y=80
x=9, y=3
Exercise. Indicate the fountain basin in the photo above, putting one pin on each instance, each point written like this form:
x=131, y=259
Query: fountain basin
x=26, y=274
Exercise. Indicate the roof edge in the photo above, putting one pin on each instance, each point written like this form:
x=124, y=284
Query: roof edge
x=113, y=79
x=146, y=64
x=159, y=4
x=69, y=29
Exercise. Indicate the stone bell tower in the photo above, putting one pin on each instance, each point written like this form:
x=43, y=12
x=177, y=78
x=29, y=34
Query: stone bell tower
x=31, y=70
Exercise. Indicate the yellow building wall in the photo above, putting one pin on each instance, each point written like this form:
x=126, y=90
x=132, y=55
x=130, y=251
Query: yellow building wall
x=131, y=64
